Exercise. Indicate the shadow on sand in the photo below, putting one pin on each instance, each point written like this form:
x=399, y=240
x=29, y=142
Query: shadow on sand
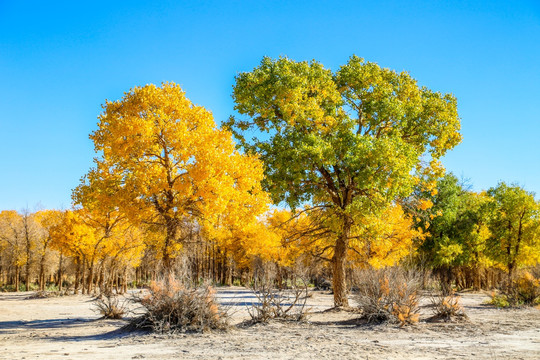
x=42, y=328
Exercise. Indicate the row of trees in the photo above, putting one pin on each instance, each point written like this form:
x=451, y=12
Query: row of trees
x=54, y=247
x=353, y=155
x=466, y=238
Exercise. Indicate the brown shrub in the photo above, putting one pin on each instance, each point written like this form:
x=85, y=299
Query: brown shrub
x=272, y=303
x=447, y=307
x=169, y=307
x=389, y=294
x=523, y=291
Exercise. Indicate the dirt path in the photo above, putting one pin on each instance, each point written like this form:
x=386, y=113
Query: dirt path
x=67, y=328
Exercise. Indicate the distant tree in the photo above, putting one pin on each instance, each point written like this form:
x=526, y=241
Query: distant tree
x=349, y=142
x=456, y=230
x=515, y=227
x=47, y=219
x=13, y=240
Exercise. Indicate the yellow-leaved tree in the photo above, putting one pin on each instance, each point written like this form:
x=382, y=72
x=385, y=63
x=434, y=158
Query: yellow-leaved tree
x=12, y=238
x=172, y=165
x=47, y=219
x=384, y=240
x=115, y=238
x=72, y=237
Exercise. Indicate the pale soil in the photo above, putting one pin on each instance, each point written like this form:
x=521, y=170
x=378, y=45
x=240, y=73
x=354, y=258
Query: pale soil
x=67, y=328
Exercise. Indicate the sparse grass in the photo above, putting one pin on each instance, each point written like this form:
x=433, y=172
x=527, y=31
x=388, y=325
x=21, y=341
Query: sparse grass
x=22, y=287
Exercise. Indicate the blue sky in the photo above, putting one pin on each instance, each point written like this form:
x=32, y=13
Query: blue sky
x=59, y=61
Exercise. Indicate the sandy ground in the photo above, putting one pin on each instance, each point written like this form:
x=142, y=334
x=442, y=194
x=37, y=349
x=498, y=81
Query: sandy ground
x=67, y=328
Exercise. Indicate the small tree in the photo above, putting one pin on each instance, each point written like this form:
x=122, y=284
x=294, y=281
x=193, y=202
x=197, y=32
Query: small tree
x=456, y=231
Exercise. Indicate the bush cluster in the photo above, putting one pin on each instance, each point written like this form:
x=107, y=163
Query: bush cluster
x=387, y=295
x=524, y=291
x=170, y=307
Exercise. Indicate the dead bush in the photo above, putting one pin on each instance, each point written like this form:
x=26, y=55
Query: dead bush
x=387, y=295
x=44, y=294
x=447, y=307
x=110, y=306
x=170, y=307
x=276, y=300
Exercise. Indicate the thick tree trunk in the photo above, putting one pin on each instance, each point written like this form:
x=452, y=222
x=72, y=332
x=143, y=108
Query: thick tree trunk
x=510, y=279
x=339, y=282
x=170, y=239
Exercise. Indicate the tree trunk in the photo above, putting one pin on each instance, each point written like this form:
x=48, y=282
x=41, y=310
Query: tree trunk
x=17, y=274
x=27, y=278
x=170, y=239
x=124, y=281
x=339, y=282
x=90, y=279
x=60, y=273
x=511, y=268
x=42, y=273
x=41, y=277
x=77, y=277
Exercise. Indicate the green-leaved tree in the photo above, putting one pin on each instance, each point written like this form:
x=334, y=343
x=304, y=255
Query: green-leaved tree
x=349, y=142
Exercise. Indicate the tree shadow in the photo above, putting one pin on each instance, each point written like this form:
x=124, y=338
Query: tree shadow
x=116, y=334
x=6, y=326
x=45, y=326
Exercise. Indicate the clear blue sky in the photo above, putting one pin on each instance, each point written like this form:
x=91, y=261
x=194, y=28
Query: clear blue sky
x=59, y=61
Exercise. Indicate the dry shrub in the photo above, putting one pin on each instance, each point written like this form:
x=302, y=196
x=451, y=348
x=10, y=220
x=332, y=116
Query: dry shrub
x=44, y=294
x=110, y=306
x=170, y=307
x=389, y=294
x=525, y=290
x=272, y=303
x=446, y=307
x=284, y=301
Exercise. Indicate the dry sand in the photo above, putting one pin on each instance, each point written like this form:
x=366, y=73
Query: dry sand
x=67, y=328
